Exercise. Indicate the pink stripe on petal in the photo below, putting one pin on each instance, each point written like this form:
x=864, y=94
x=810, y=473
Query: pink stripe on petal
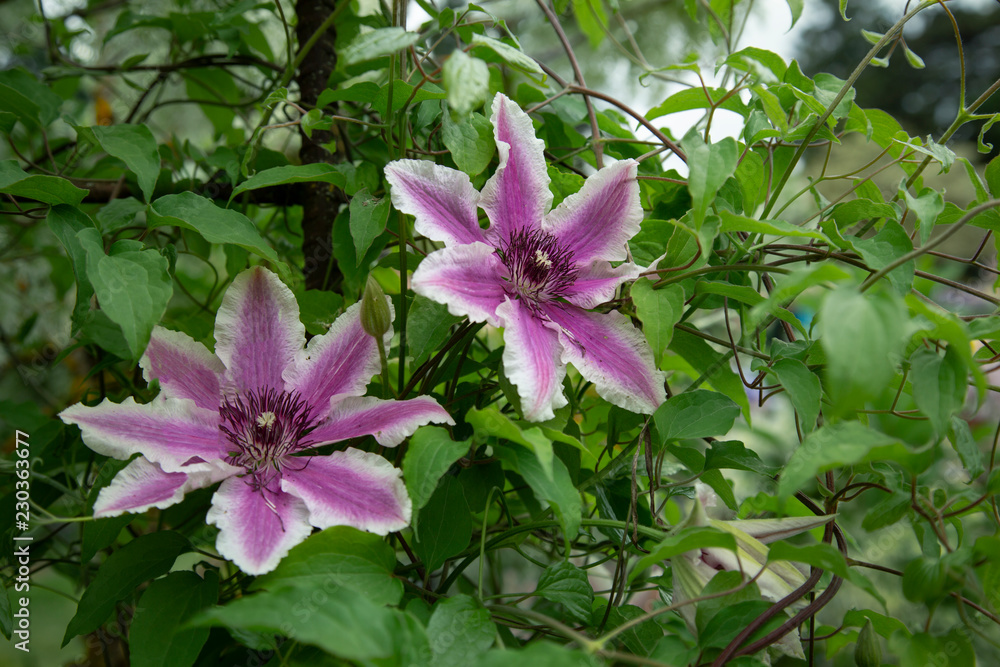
x=257, y=330
x=389, y=421
x=168, y=431
x=531, y=361
x=350, y=488
x=598, y=283
x=597, y=221
x=469, y=279
x=517, y=196
x=256, y=527
x=611, y=353
x=341, y=361
x=184, y=367
x=442, y=200
x=143, y=484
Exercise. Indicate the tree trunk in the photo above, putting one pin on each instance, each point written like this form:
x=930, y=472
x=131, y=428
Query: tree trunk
x=320, y=201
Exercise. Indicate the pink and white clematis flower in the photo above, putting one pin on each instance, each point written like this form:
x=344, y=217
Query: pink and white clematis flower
x=242, y=415
x=533, y=271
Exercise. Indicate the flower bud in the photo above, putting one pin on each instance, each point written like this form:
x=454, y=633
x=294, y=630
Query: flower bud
x=375, y=316
x=868, y=652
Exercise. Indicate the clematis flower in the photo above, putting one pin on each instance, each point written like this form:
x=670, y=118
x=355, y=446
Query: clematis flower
x=244, y=415
x=533, y=271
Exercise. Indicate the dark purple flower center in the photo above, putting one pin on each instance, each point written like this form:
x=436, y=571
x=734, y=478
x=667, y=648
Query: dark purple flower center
x=265, y=425
x=538, y=268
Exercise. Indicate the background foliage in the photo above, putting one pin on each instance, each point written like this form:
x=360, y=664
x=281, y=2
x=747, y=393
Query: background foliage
x=825, y=309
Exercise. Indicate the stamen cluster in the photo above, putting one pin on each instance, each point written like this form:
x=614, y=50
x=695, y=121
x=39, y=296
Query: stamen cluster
x=265, y=425
x=539, y=269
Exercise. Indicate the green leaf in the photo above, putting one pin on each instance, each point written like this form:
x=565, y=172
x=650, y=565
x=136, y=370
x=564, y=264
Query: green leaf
x=891, y=243
x=144, y=558
x=538, y=653
x=966, y=447
x=697, y=98
x=217, y=225
x=65, y=222
x=320, y=172
x=368, y=219
x=832, y=446
x=922, y=649
x=337, y=620
x=927, y=207
x=132, y=144
x=695, y=414
x=491, y=422
x=803, y=389
x=428, y=325
x=738, y=223
x=466, y=80
x=556, y=488
x=709, y=165
x=46, y=189
x=847, y=213
x=444, y=525
x=403, y=93
x=713, y=365
x=993, y=176
x=7, y=123
x=843, y=10
x=157, y=636
x=731, y=619
x=339, y=556
x=735, y=456
x=132, y=286
x=470, y=140
x=591, y=20
x=686, y=539
x=363, y=91
x=884, y=625
x=939, y=385
x=118, y=213
x=510, y=55
x=860, y=334
x=824, y=557
x=429, y=456
x=887, y=512
x=460, y=631
x=317, y=308
x=568, y=585
x=6, y=613
x=375, y=44
x=750, y=176
x=658, y=310
x=31, y=101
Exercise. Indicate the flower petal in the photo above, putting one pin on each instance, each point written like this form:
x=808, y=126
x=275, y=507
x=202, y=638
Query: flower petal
x=531, y=360
x=350, y=488
x=517, y=196
x=466, y=278
x=169, y=431
x=341, y=361
x=143, y=484
x=597, y=221
x=257, y=330
x=256, y=527
x=442, y=200
x=598, y=282
x=184, y=367
x=611, y=353
x=389, y=421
